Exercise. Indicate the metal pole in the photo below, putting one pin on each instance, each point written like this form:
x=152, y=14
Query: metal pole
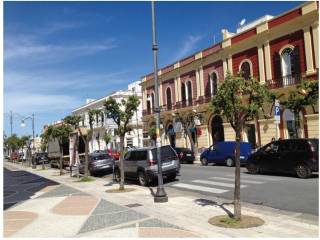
x=33, y=147
x=11, y=123
x=160, y=195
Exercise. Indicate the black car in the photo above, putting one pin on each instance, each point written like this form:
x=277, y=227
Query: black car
x=185, y=154
x=299, y=156
x=98, y=162
x=41, y=157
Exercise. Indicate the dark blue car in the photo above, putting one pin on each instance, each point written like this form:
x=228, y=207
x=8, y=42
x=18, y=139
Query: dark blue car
x=224, y=153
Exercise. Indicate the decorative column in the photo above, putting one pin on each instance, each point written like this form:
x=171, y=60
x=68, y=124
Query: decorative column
x=315, y=37
x=201, y=81
x=267, y=59
x=261, y=65
x=225, y=67
x=308, y=50
x=160, y=94
x=176, y=92
x=230, y=64
x=198, y=83
x=179, y=88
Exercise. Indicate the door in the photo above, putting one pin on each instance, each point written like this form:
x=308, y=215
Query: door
x=127, y=163
x=270, y=157
x=212, y=154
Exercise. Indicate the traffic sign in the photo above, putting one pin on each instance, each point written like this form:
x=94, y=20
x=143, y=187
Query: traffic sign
x=277, y=112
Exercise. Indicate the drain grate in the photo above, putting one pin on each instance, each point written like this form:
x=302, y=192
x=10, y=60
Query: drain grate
x=132, y=205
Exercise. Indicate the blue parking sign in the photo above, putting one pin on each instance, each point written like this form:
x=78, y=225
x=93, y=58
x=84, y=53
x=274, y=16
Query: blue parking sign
x=277, y=113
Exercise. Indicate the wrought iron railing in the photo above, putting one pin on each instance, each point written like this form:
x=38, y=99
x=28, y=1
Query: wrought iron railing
x=284, y=81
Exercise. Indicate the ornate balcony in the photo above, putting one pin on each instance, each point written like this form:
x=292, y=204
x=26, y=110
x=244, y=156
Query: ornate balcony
x=284, y=81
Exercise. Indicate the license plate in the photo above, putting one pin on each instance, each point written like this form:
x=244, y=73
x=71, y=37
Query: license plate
x=166, y=163
x=188, y=155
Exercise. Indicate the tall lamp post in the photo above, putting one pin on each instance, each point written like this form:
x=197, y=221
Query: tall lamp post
x=33, y=140
x=161, y=195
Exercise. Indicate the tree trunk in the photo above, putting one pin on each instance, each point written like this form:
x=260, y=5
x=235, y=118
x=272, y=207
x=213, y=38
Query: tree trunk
x=237, y=205
x=61, y=157
x=86, y=146
x=193, y=145
x=121, y=186
x=77, y=155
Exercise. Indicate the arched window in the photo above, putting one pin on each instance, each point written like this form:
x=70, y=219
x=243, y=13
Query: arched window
x=152, y=101
x=213, y=83
x=183, y=93
x=287, y=62
x=246, y=70
x=148, y=104
x=189, y=92
x=169, y=102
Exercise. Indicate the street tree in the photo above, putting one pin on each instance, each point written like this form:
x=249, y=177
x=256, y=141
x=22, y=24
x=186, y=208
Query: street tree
x=44, y=145
x=107, y=138
x=25, y=141
x=305, y=94
x=73, y=121
x=121, y=113
x=239, y=100
x=152, y=134
x=94, y=116
x=13, y=142
x=60, y=133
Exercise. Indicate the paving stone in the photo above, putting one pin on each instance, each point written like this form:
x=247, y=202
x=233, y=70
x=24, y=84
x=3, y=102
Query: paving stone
x=95, y=222
x=108, y=207
x=154, y=222
x=61, y=191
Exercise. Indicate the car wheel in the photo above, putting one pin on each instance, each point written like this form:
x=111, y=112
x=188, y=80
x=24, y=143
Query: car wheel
x=253, y=168
x=303, y=171
x=117, y=175
x=172, y=177
x=143, y=181
x=229, y=162
x=204, y=161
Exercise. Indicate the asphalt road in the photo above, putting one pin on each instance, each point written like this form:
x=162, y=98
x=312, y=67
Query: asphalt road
x=284, y=192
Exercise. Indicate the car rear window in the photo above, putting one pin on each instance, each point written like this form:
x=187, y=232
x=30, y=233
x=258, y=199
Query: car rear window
x=138, y=155
x=100, y=157
x=167, y=153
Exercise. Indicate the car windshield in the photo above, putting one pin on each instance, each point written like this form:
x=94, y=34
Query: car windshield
x=100, y=157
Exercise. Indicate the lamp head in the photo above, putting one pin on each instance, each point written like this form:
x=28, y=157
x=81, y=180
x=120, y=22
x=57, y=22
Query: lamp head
x=23, y=124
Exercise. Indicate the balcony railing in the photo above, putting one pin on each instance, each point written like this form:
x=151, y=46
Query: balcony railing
x=284, y=81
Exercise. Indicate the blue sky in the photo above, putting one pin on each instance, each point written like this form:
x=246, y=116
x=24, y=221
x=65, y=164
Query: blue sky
x=57, y=54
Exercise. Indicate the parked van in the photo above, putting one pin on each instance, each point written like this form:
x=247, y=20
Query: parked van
x=224, y=153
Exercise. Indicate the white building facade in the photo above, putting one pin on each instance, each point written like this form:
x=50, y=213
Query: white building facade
x=103, y=125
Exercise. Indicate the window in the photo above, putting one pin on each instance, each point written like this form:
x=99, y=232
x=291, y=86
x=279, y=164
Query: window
x=286, y=62
x=245, y=70
x=152, y=101
x=213, y=83
x=183, y=92
x=189, y=92
x=169, y=102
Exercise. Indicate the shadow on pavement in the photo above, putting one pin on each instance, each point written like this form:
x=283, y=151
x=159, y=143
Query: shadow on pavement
x=205, y=202
x=21, y=185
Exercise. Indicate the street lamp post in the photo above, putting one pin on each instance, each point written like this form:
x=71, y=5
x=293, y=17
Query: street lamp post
x=33, y=140
x=161, y=195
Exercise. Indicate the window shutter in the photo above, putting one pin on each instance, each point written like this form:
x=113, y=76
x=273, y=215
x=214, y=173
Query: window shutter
x=295, y=60
x=277, y=66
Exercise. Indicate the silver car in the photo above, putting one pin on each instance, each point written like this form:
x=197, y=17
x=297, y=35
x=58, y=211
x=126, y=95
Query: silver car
x=141, y=164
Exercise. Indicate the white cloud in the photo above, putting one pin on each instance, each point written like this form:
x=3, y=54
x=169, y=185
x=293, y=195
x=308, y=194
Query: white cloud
x=189, y=45
x=25, y=103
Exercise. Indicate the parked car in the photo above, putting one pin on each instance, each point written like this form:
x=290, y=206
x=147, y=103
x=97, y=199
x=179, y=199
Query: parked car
x=224, y=153
x=141, y=164
x=185, y=154
x=114, y=154
x=14, y=156
x=98, y=162
x=41, y=157
x=299, y=156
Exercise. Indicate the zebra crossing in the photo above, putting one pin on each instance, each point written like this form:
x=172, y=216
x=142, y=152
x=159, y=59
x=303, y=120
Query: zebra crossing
x=222, y=184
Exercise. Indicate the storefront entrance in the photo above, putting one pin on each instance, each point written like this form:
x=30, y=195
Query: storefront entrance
x=217, y=131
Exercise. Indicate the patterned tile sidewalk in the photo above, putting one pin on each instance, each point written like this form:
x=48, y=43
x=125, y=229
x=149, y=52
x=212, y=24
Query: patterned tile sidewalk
x=75, y=213
x=134, y=214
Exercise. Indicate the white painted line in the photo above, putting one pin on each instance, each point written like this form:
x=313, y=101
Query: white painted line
x=199, y=188
x=232, y=180
x=230, y=185
x=267, y=178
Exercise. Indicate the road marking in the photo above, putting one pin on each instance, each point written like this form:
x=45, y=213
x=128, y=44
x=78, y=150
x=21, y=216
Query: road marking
x=230, y=179
x=217, y=183
x=199, y=188
x=267, y=178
